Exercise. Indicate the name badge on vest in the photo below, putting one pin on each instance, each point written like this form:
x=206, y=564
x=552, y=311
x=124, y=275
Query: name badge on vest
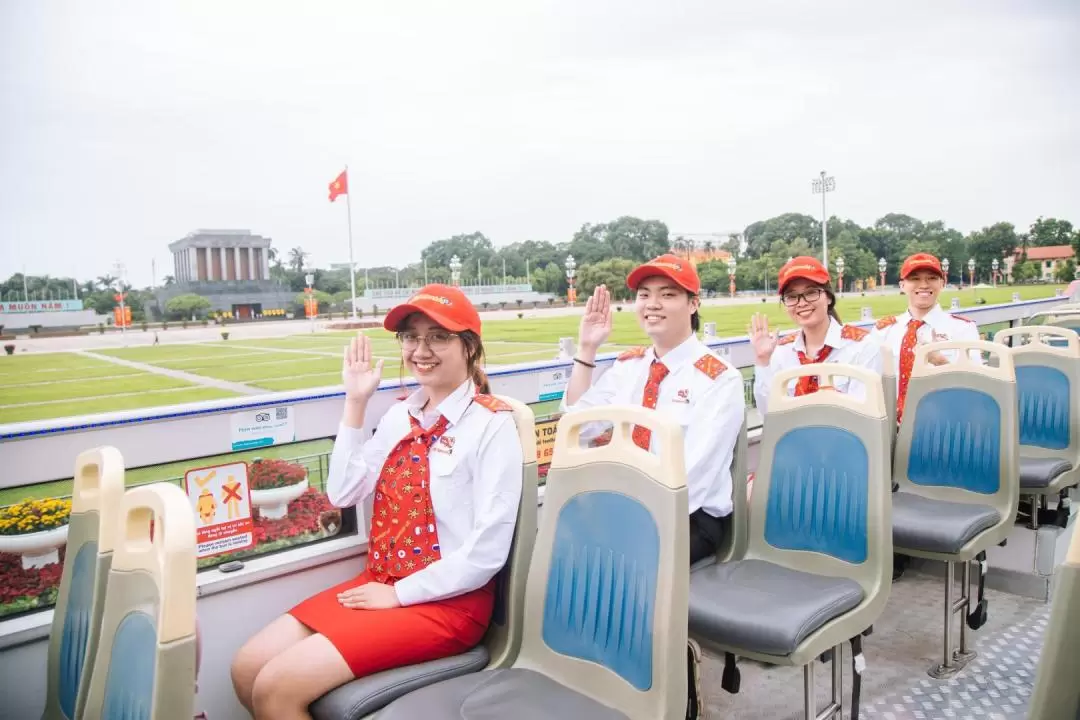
x=682, y=396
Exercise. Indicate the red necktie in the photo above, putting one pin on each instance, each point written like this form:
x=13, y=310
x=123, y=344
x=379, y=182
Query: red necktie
x=809, y=383
x=907, y=362
x=657, y=372
x=403, y=535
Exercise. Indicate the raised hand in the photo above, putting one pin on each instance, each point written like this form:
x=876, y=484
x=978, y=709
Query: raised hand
x=360, y=376
x=596, y=322
x=761, y=340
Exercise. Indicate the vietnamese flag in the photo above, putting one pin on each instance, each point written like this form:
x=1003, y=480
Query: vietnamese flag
x=340, y=186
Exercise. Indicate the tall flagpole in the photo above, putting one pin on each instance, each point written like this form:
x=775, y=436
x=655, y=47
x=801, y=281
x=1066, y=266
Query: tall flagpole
x=352, y=265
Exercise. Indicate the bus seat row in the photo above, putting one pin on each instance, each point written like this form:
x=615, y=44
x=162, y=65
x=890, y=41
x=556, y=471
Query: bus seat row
x=123, y=639
x=591, y=612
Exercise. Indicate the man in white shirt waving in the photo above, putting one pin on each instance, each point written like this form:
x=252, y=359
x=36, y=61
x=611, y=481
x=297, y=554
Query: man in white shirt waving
x=922, y=280
x=677, y=375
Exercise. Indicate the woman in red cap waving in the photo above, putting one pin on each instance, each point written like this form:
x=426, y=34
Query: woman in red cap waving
x=678, y=375
x=444, y=466
x=807, y=294
x=922, y=280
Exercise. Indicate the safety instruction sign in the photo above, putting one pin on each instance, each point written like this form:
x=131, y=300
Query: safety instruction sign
x=553, y=384
x=262, y=427
x=222, y=503
x=545, y=441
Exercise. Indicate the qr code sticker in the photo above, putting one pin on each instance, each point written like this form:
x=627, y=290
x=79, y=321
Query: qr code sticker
x=281, y=413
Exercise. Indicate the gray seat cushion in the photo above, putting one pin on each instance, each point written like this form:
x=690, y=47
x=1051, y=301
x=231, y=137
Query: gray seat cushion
x=1040, y=472
x=496, y=695
x=920, y=523
x=755, y=605
x=362, y=697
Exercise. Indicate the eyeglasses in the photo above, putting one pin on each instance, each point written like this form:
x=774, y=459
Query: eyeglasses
x=438, y=340
x=810, y=295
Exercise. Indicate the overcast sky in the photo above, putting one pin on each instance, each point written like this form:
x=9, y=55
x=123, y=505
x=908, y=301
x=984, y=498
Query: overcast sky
x=126, y=125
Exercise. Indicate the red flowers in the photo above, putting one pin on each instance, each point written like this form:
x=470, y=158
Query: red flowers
x=269, y=474
x=26, y=589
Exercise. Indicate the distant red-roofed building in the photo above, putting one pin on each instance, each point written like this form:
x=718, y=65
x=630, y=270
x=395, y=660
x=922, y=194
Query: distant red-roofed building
x=1048, y=259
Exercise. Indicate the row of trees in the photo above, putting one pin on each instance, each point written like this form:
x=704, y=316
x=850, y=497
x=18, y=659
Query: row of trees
x=606, y=252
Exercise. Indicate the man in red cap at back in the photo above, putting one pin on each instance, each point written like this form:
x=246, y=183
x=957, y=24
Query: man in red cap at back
x=922, y=280
x=677, y=375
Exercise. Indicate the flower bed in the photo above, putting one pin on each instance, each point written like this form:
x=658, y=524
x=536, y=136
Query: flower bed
x=33, y=516
x=27, y=588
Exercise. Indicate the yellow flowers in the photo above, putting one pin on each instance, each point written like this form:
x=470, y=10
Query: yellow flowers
x=34, y=516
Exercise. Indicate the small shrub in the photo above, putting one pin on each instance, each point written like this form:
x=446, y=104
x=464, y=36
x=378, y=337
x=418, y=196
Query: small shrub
x=521, y=315
x=224, y=336
x=9, y=349
x=101, y=328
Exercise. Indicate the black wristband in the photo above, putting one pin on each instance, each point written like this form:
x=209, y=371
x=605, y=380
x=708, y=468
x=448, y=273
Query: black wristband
x=586, y=364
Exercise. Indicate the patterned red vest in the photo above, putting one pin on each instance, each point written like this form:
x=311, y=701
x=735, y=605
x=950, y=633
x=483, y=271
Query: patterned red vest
x=403, y=534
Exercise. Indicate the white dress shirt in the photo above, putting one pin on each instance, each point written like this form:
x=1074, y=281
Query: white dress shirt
x=850, y=346
x=475, y=487
x=709, y=409
x=940, y=325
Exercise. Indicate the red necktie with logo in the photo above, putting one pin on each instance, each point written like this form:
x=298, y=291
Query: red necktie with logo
x=809, y=383
x=657, y=372
x=907, y=362
x=403, y=535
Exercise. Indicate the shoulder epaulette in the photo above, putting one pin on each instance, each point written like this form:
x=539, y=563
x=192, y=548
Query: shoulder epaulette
x=632, y=353
x=492, y=403
x=853, y=332
x=710, y=365
x=962, y=317
x=787, y=339
x=885, y=322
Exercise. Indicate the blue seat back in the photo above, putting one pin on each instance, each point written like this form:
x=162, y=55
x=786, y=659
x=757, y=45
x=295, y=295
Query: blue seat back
x=606, y=603
x=821, y=500
x=1047, y=362
x=959, y=438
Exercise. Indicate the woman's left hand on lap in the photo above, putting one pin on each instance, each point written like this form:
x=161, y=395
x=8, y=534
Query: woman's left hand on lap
x=370, y=596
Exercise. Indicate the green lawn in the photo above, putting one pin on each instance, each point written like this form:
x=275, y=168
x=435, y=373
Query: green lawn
x=93, y=405
x=86, y=385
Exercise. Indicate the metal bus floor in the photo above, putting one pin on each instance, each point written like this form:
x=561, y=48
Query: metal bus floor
x=906, y=642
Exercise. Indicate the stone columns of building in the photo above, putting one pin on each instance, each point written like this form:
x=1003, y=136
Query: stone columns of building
x=193, y=264
x=265, y=263
x=252, y=274
x=239, y=269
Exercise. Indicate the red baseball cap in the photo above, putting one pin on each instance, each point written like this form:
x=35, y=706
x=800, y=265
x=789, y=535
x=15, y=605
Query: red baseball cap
x=804, y=267
x=446, y=306
x=920, y=261
x=673, y=267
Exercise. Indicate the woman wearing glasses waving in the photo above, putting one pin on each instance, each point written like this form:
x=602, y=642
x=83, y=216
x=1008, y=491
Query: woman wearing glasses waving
x=444, y=466
x=808, y=297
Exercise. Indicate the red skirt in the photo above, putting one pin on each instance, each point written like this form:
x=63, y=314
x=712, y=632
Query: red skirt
x=371, y=641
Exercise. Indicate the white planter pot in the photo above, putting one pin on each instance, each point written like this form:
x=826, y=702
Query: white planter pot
x=274, y=503
x=37, y=549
